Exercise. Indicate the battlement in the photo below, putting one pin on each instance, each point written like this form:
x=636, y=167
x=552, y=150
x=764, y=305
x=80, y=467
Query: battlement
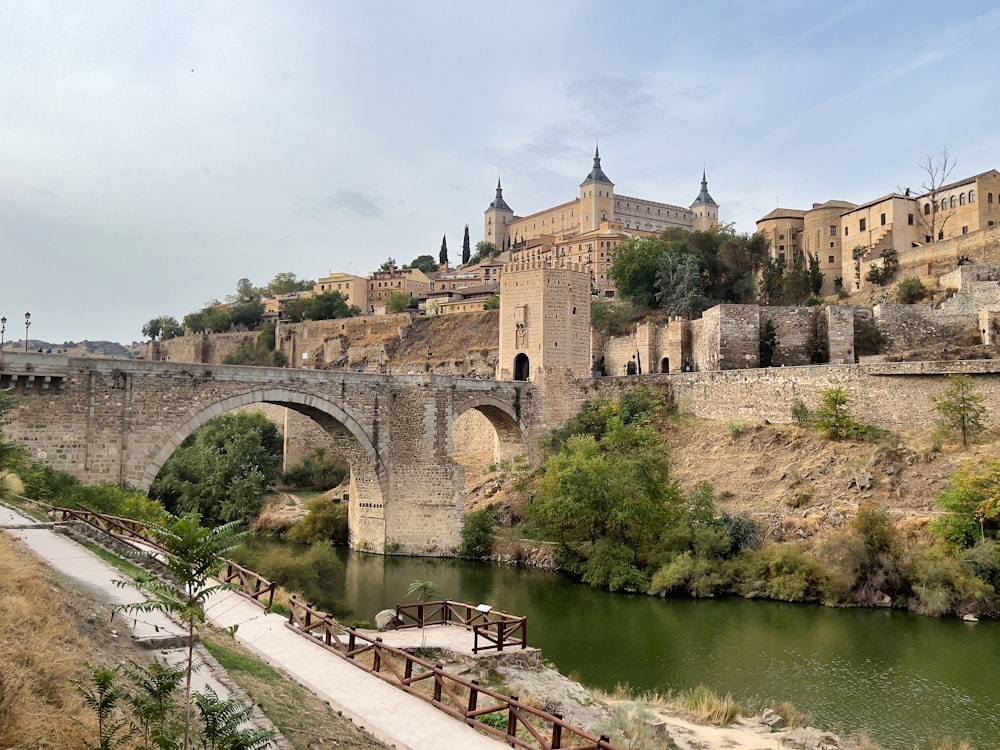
x=537, y=265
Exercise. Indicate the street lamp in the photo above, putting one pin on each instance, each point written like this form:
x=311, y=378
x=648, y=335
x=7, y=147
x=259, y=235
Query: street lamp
x=27, y=323
x=3, y=331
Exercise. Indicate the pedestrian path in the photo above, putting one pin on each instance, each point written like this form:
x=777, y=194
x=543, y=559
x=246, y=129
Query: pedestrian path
x=399, y=719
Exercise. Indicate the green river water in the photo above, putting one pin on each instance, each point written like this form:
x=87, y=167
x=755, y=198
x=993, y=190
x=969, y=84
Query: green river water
x=903, y=677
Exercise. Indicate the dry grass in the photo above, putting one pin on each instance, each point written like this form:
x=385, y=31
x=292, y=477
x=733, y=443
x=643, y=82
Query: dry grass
x=41, y=650
x=707, y=707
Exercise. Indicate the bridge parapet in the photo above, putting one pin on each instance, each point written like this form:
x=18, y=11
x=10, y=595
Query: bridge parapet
x=24, y=371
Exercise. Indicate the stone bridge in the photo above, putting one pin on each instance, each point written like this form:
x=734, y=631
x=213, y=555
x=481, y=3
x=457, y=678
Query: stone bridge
x=118, y=421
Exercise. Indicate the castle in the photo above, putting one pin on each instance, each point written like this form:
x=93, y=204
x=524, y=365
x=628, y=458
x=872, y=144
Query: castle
x=585, y=230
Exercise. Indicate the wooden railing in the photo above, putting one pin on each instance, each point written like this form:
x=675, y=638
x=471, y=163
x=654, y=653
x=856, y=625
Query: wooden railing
x=498, y=630
x=135, y=535
x=249, y=584
x=466, y=700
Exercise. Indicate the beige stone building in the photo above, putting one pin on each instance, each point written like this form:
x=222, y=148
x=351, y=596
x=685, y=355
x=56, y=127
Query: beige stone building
x=381, y=284
x=354, y=288
x=584, y=230
x=849, y=239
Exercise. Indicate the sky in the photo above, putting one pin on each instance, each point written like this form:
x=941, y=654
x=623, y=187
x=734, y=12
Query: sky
x=153, y=153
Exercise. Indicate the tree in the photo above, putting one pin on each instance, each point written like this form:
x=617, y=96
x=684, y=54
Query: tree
x=679, y=281
x=443, y=255
x=937, y=171
x=634, y=268
x=246, y=313
x=222, y=471
x=910, y=290
x=164, y=327
x=484, y=251
x=191, y=555
x=330, y=306
x=195, y=322
x=424, y=591
x=217, y=319
x=245, y=292
x=492, y=302
x=882, y=274
x=615, y=488
x=478, y=534
x=423, y=263
x=389, y=264
x=466, y=251
x=961, y=409
x=287, y=283
x=972, y=504
x=397, y=302
x=833, y=416
x=815, y=275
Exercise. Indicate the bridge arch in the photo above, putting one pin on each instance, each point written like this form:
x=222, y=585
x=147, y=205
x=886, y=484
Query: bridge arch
x=511, y=433
x=326, y=413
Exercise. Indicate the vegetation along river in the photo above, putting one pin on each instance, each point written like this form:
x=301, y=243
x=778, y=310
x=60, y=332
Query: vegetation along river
x=904, y=677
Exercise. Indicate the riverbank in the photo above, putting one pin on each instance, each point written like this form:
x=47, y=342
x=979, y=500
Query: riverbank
x=299, y=658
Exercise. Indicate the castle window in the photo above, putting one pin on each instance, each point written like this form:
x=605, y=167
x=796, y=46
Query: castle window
x=909, y=219
x=965, y=230
x=833, y=230
x=953, y=201
x=845, y=231
x=927, y=209
x=831, y=261
x=961, y=199
x=989, y=198
x=883, y=219
x=941, y=235
x=862, y=224
x=832, y=244
x=781, y=236
x=972, y=196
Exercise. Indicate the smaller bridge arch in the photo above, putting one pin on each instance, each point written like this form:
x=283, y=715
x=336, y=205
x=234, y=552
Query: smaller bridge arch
x=315, y=407
x=510, y=429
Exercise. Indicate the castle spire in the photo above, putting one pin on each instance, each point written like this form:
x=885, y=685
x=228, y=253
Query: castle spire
x=498, y=201
x=596, y=173
x=704, y=198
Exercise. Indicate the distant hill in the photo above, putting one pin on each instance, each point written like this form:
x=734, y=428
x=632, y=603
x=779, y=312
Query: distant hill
x=79, y=348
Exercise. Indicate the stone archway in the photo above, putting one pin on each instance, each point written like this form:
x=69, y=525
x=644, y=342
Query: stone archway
x=522, y=368
x=665, y=364
x=366, y=511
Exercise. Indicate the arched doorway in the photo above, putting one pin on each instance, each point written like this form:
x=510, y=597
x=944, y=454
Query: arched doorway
x=665, y=364
x=521, y=367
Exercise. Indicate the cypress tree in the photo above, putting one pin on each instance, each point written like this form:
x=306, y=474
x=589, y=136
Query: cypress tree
x=443, y=255
x=466, y=249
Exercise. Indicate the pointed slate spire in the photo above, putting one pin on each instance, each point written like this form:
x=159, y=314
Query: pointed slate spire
x=596, y=173
x=704, y=198
x=499, y=202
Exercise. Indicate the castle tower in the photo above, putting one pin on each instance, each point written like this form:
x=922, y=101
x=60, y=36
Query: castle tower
x=544, y=322
x=705, y=209
x=597, y=197
x=498, y=219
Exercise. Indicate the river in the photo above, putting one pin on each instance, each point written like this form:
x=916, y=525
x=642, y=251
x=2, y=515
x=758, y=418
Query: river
x=903, y=677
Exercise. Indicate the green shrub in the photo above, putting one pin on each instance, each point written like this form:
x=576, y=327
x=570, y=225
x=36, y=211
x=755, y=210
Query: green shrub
x=833, y=417
x=316, y=471
x=612, y=566
x=697, y=575
x=868, y=339
x=478, y=534
x=784, y=572
x=801, y=414
x=325, y=522
x=910, y=290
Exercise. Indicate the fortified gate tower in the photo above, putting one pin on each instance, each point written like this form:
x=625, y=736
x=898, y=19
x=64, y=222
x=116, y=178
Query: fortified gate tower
x=544, y=326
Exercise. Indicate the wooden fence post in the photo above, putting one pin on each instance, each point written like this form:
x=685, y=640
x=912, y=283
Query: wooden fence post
x=557, y=733
x=473, y=696
x=511, y=718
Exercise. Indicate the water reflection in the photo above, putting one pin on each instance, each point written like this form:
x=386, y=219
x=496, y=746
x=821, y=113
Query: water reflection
x=904, y=677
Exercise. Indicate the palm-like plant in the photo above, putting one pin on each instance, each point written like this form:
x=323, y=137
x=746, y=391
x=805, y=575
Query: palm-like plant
x=191, y=554
x=424, y=591
x=225, y=722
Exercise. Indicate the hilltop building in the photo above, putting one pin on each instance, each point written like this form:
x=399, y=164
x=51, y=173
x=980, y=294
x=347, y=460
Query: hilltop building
x=848, y=238
x=585, y=230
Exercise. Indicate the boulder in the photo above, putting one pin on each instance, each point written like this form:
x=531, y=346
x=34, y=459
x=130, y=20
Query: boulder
x=882, y=599
x=773, y=719
x=387, y=620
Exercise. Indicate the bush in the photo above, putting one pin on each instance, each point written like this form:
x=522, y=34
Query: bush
x=782, y=572
x=612, y=566
x=325, y=522
x=316, y=471
x=833, y=417
x=801, y=414
x=478, y=534
x=868, y=339
x=910, y=290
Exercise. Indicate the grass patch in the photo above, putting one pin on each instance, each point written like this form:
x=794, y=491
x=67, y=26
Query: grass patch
x=708, y=707
x=119, y=563
x=304, y=720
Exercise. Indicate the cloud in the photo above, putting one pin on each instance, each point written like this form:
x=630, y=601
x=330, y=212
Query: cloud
x=367, y=206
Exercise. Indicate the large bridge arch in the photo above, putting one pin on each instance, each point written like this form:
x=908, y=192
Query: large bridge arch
x=317, y=408
x=511, y=432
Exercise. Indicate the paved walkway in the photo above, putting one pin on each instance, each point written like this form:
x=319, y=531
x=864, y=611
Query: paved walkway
x=388, y=713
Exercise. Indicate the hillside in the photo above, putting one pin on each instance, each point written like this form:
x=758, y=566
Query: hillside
x=792, y=481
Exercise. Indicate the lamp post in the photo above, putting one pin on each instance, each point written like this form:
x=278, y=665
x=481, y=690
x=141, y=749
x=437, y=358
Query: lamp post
x=27, y=324
x=3, y=331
